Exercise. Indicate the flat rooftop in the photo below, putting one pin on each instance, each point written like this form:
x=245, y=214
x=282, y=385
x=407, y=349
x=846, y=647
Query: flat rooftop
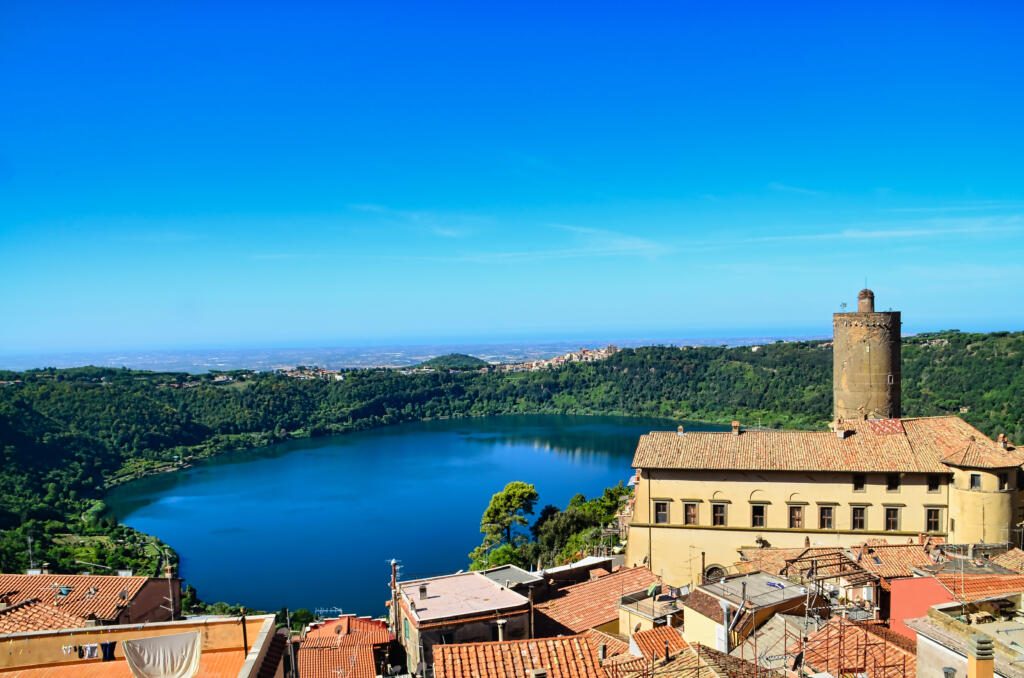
x=516, y=576
x=458, y=595
x=761, y=589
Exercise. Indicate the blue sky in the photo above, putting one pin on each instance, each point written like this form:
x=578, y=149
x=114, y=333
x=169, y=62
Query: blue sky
x=320, y=173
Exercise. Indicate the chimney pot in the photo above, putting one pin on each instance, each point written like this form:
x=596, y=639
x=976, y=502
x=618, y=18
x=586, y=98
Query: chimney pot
x=735, y=427
x=423, y=591
x=680, y=430
x=1001, y=439
x=866, y=301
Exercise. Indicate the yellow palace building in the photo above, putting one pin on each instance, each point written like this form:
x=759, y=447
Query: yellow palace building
x=701, y=496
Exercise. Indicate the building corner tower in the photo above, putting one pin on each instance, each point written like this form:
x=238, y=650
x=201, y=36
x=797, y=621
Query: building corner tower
x=866, y=362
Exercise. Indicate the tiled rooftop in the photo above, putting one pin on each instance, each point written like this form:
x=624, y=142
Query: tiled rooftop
x=843, y=647
x=652, y=642
x=33, y=615
x=973, y=587
x=79, y=595
x=905, y=445
x=342, y=646
x=563, y=657
x=594, y=603
x=457, y=595
x=891, y=560
x=1011, y=560
x=346, y=630
x=694, y=660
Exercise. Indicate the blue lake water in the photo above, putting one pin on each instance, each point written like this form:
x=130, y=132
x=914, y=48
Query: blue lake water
x=313, y=523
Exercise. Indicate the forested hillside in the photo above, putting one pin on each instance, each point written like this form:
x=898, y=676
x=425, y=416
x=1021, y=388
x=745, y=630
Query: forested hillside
x=65, y=435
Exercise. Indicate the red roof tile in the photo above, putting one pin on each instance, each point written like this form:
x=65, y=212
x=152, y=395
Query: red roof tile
x=613, y=644
x=841, y=647
x=906, y=445
x=1011, y=560
x=342, y=647
x=891, y=560
x=593, y=603
x=32, y=615
x=563, y=657
x=972, y=587
x=652, y=643
x=79, y=595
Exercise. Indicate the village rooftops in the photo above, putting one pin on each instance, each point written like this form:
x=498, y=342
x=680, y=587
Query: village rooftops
x=342, y=646
x=945, y=625
x=594, y=603
x=99, y=597
x=912, y=445
x=563, y=657
x=466, y=594
x=34, y=615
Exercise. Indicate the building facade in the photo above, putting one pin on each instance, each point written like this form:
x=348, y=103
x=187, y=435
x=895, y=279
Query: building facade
x=701, y=496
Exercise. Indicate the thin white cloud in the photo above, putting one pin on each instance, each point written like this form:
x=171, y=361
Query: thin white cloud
x=440, y=224
x=780, y=187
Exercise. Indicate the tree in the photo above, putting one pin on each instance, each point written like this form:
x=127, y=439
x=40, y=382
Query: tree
x=507, y=510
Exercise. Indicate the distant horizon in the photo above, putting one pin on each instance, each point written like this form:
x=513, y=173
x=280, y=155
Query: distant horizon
x=198, y=359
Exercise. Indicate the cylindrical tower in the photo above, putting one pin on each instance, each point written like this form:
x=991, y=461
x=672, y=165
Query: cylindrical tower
x=866, y=362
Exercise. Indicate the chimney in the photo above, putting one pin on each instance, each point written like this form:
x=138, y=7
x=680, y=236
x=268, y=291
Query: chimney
x=667, y=657
x=865, y=301
x=602, y=651
x=1001, y=439
x=980, y=657
x=680, y=430
x=735, y=427
x=423, y=591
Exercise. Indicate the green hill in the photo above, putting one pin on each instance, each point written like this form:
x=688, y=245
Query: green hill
x=455, y=361
x=66, y=435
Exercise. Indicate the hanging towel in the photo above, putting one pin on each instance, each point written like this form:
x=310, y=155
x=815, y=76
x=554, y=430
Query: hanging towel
x=108, y=650
x=175, y=656
x=92, y=650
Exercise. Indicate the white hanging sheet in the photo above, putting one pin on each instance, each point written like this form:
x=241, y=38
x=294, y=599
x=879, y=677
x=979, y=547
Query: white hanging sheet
x=175, y=656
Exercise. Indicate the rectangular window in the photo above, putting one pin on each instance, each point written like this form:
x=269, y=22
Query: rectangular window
x=689, y=514
x=934, y=482
x=825, y=516
x=859, y=518
x=892, y=482
x=1004, y=481
x=660, y=512
x=405, y=627
x=718, y=515
x=796, y=517
x=975, y=481
x=860, y=481
x=931, y=519
x=892, y=519
x=758, y=513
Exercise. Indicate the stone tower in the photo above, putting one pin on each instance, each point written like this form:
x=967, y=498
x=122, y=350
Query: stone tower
x=866, y=362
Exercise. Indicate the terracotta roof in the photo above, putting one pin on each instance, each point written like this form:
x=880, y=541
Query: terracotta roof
x=33, y=615
x=891, y=560
x=903, y=445
x=704, y=604
x=79, y=595
x=588, y=605
x=1011, y=560
x=342, y=645
x=842, y=647
x=651, y=643
x=770, y=560
x=972, y=587
x=614, y=644
x=711, y=664
x=563, y=657
x=347, y=630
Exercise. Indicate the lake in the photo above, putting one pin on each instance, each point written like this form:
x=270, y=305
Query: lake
x=313, y=523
